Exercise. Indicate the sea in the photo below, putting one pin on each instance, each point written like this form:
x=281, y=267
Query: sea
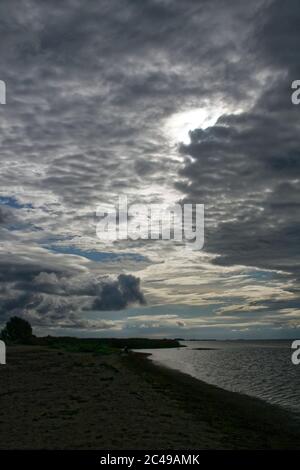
x=262, y=369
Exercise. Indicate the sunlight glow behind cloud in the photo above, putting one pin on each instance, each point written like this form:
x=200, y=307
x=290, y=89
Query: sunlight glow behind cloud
x=180, y=124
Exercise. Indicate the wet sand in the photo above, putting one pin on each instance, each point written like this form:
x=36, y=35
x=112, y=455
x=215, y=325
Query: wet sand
x=57, y=400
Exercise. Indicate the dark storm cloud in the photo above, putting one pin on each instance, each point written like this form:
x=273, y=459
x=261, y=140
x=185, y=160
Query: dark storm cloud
x=279, y=37
x=90, y=85
x=119, y=294
x=246, y=168
x=88, y=78
x=52, y=296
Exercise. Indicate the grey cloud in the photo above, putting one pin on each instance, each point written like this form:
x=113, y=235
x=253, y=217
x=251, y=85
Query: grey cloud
x=119, y=294
x=91, y=76
x=246, y=172
x=90, y=85
x=246, y=167
x=4, y=216
x=52, y=296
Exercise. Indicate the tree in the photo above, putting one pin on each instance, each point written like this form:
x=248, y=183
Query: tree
x=17, y=330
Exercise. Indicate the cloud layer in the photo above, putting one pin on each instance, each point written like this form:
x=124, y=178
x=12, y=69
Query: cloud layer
x=91, y=91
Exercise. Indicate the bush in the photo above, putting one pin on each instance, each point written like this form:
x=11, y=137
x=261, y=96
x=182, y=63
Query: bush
x=17, y=330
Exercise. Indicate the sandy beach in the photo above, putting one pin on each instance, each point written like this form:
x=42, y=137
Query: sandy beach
x=54, y=399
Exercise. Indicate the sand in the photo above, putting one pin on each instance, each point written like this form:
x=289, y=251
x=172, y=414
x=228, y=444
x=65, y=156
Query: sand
x=57, y=400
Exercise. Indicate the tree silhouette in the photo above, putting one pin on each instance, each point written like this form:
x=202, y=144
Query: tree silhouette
x=17, y=330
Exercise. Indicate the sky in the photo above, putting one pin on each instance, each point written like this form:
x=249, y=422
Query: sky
x=164, y=102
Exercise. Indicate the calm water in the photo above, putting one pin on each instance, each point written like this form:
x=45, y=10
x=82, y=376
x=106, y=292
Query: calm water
x=259, y=368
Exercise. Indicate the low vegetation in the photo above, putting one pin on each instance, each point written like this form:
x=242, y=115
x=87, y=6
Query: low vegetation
x=104, y=345
x=19, y=331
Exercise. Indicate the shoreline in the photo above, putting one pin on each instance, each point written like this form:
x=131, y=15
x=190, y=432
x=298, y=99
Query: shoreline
x=235, y=409
x=294, y=415
x=53, y=399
